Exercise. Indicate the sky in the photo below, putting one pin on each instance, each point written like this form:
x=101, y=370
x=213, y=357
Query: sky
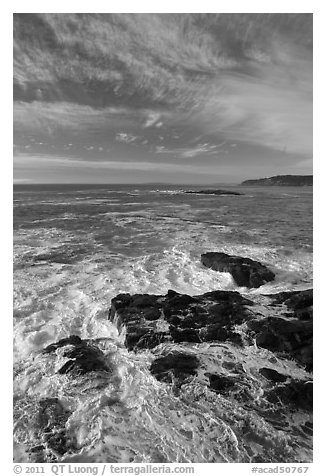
x=179, y=98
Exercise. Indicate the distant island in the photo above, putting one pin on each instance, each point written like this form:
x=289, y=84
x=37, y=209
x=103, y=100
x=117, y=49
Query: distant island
x=212, y=192
x=281, y=180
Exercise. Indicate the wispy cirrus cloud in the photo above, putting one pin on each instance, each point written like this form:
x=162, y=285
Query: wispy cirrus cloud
x=153, y=119
x=184, y=152
x=164, y=86
x=125, y=137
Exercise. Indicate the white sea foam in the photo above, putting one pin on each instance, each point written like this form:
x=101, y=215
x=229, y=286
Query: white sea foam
x=127, y=415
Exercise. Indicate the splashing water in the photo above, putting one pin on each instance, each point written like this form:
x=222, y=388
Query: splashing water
x=76, y=248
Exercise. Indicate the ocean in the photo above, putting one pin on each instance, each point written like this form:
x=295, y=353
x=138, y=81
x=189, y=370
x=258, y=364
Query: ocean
x=78, y=246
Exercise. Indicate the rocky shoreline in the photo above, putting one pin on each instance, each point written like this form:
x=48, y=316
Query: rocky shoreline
x=282, y=327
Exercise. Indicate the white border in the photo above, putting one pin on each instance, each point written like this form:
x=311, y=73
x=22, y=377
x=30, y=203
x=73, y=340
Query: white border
x=249, y=6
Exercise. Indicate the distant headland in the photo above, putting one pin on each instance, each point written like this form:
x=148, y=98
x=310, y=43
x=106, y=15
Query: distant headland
x=281, y=180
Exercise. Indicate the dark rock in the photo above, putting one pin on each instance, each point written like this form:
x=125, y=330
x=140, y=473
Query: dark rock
x=83, y=357
x=49, y=427
x=66, y=254
x=36, y=449
x=143, y=301
x=245, y=271
x=51, y=413
x=296, y=393
x=132, y=309
x=152, y=313
x=180, y=300
x=175, y=367
x=217, y=333
x=57, y=442
x=213, y=192
x=294, y=337
x=299, y=302
x=151, y=340
x=71, y=340
x=307, y=427
x=140, y=337
x=272, y=375
x=85, y=360
x=255, y=325
x=231, y=297
x=304, y=314
x=203, y=318
x=220, y=383
x=184, y=335
x=122, y=300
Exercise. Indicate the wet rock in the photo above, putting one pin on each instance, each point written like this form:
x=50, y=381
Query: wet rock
x=179, y=300
x=136, y=335
x=307, y=427
x=122, y=300
x=82, y=361
x=175, y=367
x=36, y=449
x=51, y=413
x=66, y=254
x=49, y=425
x=293, y=337
x=152, y=314
x=71, y=340
x=83, y=357
x=220, y=383
x=245, y=271
x=296, y=393
x=217, y=333
x=150, y=319
x=273, y=375
x=131, y=310
x=184, y=335
x=151, y=340
x=143, y=301
x=300, y=303
x=275, y=417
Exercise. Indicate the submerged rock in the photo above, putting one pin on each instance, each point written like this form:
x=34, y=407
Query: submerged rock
x=83, y=357
x=307, y=427
x=66, y=254
x=272, y=375
x=49, y=429
x=220, y=383
x=213, y=192
x=151, y=319
x=71, y=340
x=245, y=271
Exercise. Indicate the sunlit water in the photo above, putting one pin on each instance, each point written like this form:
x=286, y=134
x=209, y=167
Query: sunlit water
x=76, y=247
